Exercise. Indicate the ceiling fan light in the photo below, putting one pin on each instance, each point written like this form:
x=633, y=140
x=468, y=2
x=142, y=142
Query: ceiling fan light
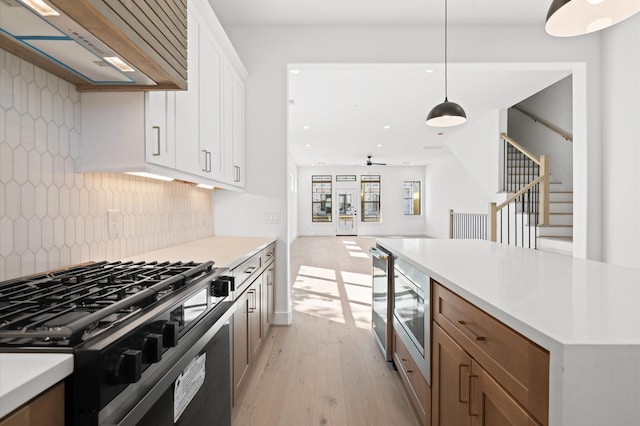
x=567, y=18
x=446, y=114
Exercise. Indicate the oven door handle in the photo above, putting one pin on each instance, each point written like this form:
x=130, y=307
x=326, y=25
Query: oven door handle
x=378, y=254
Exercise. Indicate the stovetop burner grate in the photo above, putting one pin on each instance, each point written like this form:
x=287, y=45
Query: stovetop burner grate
x=67, y=307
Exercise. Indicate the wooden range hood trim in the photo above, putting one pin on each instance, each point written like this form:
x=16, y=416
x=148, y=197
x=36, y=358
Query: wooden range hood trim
x=98, y=18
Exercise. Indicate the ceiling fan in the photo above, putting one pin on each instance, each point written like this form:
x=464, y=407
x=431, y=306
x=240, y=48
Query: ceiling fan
x=370, y=163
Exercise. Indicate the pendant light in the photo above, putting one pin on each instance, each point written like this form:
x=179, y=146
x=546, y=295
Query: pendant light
x=446, y=114
x=568, y=18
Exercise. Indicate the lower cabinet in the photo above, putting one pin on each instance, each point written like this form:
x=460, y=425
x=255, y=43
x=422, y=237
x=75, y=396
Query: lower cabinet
x=268, y=297
x=451, y=367
x=484, y=373
x=46, y=409
x=413, y=381
x=253, y=313
x=490, y=404
x=240, y=343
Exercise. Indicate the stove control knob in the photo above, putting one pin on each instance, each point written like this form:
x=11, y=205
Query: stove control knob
x=128, y=367
x=220, y=287
x=152, y=348
x=170, y=334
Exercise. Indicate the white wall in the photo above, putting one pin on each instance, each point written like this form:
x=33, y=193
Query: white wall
x=554, y=105
x=621, y=143
x=266, y=51
x=477, y=148
x=449, y=185
x=393, y=222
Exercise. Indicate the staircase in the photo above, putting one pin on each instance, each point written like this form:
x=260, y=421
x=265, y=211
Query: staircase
x=557, y=235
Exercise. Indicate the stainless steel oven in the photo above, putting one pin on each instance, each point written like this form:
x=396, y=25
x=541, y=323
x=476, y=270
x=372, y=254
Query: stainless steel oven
x=150, y=339
x=382, y=302
x=411, y=313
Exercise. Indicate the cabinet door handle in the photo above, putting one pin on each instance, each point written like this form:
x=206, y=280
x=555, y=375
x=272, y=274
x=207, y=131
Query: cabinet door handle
x=237, y=174
x=471, y=412
x=460, y=383
x=470, y=332
x=209, y=161
x=156, y=130
x=204, y=168
x=252, y=308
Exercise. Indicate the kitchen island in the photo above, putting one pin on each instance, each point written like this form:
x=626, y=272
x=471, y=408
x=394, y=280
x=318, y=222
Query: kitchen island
x=586, y=314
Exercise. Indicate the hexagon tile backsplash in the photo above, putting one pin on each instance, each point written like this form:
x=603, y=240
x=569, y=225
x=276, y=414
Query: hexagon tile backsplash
x=51, y=216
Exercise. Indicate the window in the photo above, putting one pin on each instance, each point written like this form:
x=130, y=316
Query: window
x=370, y=196
x=321, y=198
x=411, y=197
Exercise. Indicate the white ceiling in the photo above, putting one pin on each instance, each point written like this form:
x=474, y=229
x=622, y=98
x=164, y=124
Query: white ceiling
x=346, y=106
x=378, y=12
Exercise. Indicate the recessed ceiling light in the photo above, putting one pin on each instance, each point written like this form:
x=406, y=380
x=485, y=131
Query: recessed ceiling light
x=428, y=71
x=387, y=127
x=306, y=127
x=379, y=145
x=308, y=145
x=295, y=71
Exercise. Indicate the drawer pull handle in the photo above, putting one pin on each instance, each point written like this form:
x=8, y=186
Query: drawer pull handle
x=471, y=412
x=473, y=335
x=460, y=383
x=250, y=269
x=409, y=371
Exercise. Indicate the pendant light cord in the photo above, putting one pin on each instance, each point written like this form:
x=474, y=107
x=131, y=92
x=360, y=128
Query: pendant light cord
x=445, y=51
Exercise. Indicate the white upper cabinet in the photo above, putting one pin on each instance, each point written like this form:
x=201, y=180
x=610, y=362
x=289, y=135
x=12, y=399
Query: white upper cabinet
x=194, y=135
x=210, y=105
x=188, y=156
x=233, y=125
x=160, y=132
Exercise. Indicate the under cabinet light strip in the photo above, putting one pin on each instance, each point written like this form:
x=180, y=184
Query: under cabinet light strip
x=40, y=7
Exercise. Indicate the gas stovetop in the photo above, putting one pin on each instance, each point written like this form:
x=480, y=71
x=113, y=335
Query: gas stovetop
x=69, y=307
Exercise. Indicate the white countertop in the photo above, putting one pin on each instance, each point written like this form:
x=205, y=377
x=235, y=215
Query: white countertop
x=542, y=295
x=23, y=376
x=226, y=252
x=585, y=313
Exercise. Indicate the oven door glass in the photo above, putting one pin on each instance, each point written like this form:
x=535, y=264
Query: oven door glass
x=408, y=309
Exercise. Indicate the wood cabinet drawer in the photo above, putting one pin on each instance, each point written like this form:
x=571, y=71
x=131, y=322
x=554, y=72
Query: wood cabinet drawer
x=244, y=273
x=520, y=365
x=268, y=254
x=419, y=390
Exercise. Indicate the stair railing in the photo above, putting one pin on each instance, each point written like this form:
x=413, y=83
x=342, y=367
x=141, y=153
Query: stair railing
x=467, y=226
x=531, y=197
x=546, y=124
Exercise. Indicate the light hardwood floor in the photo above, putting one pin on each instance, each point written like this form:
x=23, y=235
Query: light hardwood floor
x=325, y=369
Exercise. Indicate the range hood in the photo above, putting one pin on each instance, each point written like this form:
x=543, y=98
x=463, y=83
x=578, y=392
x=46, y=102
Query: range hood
x=45, y=35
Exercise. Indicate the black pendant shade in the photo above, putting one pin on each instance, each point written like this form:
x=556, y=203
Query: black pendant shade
x=568, y=18
x=446, y=114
